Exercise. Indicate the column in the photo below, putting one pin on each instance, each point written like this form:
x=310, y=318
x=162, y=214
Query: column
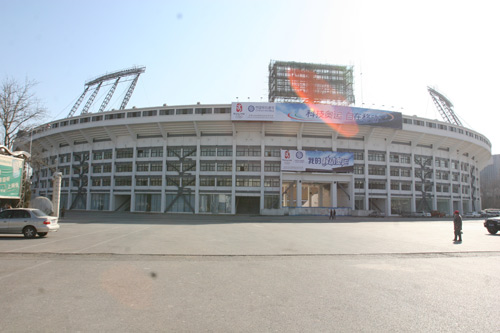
x=333, y=194
x=298, y=202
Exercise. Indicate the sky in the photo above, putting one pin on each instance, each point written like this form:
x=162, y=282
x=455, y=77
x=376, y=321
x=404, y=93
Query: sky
x=218, y=52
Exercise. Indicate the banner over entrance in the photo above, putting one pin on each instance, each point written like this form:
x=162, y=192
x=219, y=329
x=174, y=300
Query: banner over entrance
x=317, y=113
x=322, y=161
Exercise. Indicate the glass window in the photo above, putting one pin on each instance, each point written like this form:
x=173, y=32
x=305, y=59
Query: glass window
x=225, y=151
x=124, y=153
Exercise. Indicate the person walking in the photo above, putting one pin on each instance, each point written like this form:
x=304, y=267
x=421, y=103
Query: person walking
x=334, y=214
x=457, y=224
x=331, y=215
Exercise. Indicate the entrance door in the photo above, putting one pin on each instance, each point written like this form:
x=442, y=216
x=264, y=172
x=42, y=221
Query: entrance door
x=247, y=205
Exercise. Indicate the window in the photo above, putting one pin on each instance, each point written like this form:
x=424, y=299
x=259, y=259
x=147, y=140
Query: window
x=124, y=153
x=207, y=181
x=173, y=181
x=203, y=111
x=359, y=184
x=97, y=155
x=184, y=111
x=224, y=181
x=272, y=152
x=272, y=166
x=406, y=186
x=271, y=182
x=188, y=180
x=174, y=151
x=394, y=158
x=359, y=156
x=207, y=166
x=377, y=170
x=224, y=166
x=376, y=184
x=207, y=151
x=225, y=151
x=123, y=181
x=141, y=181
x=142, y=167
x=248, y=166
x=376, y=156
x=248, y=181
x=133, y=114
x=155, y=167
x=395, y=172
x=155, y=181
x=108, y=154
x=157, y=152
x=123, y=167
x=248, y=151
x=189, y=166
x=174, y=166
x=167, y=112
x=150, y=113
x=222, y=110
x=359, y=169
x=142, y=152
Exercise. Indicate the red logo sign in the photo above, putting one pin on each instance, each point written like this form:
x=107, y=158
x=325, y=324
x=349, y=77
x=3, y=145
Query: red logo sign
x=239, y=107
x=287, y=154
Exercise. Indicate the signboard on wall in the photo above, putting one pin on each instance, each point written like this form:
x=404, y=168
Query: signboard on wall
x=321, y=161
x=317, y=113
x=11, y=171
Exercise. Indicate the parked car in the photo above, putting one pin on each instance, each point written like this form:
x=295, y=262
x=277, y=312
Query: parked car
x=421, y=214
x=27, y=221
x=472, y=215
x=489, y=214
x=492, y=224
x=376, y=213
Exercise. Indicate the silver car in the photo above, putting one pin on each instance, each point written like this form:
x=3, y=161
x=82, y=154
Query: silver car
x=27, y=221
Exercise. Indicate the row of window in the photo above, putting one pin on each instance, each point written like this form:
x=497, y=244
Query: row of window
x=136, y=114
x=406, y=186
x=446, y=128
x=176, y=181
x=226, y=151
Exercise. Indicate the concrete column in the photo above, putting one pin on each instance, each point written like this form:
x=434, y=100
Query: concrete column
x=333, y=194
x=111, y=192
x=163, y=205
x=299, y=194
x=134, y=168
x=197, y=177
x=56, y=192
x=233, y=178
x=89, y=179
x=352, y=193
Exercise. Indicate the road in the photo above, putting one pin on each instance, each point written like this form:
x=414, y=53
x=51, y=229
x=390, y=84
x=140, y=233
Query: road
x=125, y=272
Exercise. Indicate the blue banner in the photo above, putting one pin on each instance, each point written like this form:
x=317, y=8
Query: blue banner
x=317, y=113
x=305, y=160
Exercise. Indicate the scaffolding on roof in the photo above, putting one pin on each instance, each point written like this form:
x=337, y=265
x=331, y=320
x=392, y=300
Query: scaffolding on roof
x=317, y=83
x=444, y=107
x=100, y=81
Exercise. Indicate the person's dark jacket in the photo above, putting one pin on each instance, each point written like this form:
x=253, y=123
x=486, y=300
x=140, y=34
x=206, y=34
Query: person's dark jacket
x=457, y=221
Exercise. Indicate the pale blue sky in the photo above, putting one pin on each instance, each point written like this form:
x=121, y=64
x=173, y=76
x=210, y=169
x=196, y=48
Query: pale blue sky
x=215, y=51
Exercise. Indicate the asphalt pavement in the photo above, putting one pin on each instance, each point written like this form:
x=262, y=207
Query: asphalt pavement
x=131, y=272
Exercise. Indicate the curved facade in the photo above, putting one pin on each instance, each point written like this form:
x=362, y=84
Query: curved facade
x=195, y=159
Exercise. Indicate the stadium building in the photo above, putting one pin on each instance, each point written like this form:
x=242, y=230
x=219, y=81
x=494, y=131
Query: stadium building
x=258, y=158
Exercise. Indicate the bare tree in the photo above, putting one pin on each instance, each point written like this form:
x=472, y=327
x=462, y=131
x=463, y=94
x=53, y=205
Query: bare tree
x=19, y=107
